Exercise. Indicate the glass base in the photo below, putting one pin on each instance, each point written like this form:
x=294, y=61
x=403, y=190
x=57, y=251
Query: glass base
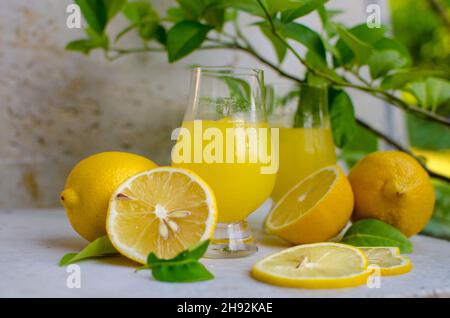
x=231, y=240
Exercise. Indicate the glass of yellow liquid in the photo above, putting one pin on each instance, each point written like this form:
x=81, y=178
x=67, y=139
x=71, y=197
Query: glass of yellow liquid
x=306, y=141
x=226, y=140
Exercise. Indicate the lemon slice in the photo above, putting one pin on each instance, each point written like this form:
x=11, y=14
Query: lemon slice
x=320, y=265
x=165, y=210
x=314, y=210
x=387, y=259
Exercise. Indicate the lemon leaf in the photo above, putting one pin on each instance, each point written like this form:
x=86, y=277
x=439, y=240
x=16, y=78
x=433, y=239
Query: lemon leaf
x=98, y=248
x=184, y=267
x=182, y=272
x=373, y=232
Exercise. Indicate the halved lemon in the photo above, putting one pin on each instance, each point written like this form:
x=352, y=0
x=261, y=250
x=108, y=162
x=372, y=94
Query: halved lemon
x=314, y=210
x=387, y=259
x=319, y=265
x=164, y=210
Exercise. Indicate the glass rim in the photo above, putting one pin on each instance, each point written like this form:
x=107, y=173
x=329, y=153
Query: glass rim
x=238, y=70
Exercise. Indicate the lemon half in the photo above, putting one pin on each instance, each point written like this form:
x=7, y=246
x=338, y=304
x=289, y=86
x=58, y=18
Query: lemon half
x=314, y=210
x=165, y=210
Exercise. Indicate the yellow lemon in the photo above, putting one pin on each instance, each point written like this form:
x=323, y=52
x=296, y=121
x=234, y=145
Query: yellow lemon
x=387, y=259
x=320, y=265
x=393, y=187
x=90, y=185
x=165, y=210
x=314, y=210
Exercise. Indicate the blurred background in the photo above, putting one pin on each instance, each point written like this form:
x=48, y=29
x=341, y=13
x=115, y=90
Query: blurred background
x=57, y=107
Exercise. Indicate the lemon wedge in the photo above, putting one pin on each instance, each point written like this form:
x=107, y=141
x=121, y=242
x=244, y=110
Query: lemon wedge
x=314, y=210
x=319, y=265
x=387, y=259
x=165, y=210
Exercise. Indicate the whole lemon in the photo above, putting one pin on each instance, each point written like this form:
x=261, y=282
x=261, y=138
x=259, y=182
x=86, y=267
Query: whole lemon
x=90, y=185
x=393, y=187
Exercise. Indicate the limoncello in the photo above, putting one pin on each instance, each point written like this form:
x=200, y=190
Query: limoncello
x=236, y=178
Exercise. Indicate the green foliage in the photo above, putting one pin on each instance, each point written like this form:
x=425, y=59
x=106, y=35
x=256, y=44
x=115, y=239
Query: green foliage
x=143, y=17
x=423, y=32
x=303, y=35
x=362, y=37
x=360, y=50
x=381, y=62
x=342, y=116
x=431, y=92
x=185, y=37
x=301, y=10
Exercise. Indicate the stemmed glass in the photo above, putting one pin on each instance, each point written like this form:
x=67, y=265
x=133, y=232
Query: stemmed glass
x=226, y=140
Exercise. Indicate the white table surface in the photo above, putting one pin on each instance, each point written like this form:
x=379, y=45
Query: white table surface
x=32, y=242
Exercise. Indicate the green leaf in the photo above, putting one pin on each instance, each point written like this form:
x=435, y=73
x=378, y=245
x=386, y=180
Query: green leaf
x=93, y=41
x=184, y=267
x=342, y=116
x=215, y=17
x=113, y=7
x=304, y=8
x=431, y=92
x=193, y=9
x=439, y=225
x=274, y=6
x=249, y=6
x=382, y=62
x=371, y=232
x=81, y=45
x=143, y=16
x=185, y=37
x=161, y=35
x=278, y=45
x=95, y=13
x=304, y=35
x=198, y=250
x=319, y=64
x=176, y=15
x=361, y=49
x=183, y=272
x=361, y=32
x=391, y=44
x=402, y=77
x=98, y=248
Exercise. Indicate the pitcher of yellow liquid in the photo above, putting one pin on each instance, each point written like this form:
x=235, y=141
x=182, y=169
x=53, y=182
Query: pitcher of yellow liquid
x=226, y=140
x=306, y=141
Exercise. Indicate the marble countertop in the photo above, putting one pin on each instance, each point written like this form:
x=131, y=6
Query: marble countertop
x=32, y=242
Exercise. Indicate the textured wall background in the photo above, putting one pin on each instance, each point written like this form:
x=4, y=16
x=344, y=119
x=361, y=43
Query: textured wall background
x=57, y=107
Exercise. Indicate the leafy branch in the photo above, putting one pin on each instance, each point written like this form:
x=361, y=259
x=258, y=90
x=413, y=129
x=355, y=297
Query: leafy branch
x=335, y=56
